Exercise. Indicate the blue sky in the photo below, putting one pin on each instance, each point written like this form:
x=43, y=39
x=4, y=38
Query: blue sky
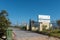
x=23, y=10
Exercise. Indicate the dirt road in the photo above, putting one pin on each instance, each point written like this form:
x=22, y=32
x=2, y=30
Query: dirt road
x=27, y=35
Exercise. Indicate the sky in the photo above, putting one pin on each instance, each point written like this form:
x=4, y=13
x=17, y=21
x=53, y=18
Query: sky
x=23, y=10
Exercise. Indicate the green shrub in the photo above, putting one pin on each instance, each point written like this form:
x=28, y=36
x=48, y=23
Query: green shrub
x=23, y=27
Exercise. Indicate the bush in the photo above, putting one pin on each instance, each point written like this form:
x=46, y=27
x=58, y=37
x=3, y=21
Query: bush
x=55, y=33
x=23, y=27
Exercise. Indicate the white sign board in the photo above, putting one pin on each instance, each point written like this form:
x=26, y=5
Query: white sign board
x=43, y=16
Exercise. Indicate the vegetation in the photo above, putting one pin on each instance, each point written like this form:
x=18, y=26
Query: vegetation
x=23, y=27
x=55, y=32
x=4, y=21
x=58, y=23
x=44, y=27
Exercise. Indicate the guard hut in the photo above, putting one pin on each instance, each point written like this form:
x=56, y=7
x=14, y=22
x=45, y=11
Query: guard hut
x=44, y=21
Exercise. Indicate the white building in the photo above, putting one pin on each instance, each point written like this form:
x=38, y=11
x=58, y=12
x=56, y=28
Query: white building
x=44, y=20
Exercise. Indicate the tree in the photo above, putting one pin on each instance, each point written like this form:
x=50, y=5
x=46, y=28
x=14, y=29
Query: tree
x=4, y=21
x=44, y=27
x=58, y=23
x=31, y=23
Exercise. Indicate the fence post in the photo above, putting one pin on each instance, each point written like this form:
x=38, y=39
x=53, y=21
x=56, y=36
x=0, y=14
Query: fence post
x=9, y=34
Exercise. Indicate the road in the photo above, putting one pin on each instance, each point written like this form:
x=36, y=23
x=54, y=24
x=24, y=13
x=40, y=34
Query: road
x=27, y=35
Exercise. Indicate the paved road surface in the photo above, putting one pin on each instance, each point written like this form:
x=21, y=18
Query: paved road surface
x=27, y=35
